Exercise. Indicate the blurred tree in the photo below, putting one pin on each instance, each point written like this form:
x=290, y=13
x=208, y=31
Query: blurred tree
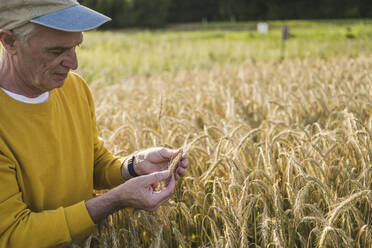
x=132, y=13
x=193, y=10
x=152, y=13
x=157, y=13
x=365, y=8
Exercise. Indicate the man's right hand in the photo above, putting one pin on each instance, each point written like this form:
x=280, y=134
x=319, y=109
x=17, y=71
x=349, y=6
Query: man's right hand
x=139, y=193
x=135, y=193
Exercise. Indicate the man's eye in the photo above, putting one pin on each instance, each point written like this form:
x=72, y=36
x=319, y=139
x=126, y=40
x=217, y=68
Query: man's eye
x=57, y=52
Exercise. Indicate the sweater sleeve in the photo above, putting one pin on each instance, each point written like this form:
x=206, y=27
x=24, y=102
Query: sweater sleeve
x=107, y=172
x=21, y=227
x=107, y=167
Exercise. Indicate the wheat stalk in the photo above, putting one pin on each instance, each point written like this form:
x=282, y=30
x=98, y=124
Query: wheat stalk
x=173, y=165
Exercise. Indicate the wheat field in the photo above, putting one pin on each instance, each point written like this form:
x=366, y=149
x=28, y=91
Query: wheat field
x=280, y=154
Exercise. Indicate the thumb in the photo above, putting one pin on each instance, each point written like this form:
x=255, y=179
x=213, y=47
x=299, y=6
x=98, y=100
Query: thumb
x=155, y=177
x=169, y=153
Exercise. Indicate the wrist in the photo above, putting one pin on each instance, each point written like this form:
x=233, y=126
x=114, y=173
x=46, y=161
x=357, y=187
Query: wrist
x=101, y=206
x=124, y=170
x=128, y=168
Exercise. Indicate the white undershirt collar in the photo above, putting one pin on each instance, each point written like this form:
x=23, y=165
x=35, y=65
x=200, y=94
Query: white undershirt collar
x=36, y=100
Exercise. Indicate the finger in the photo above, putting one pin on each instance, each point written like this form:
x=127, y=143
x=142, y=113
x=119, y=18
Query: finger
x=157, y=154
x=169, y=154
x=154, y=177
x=158, y=165
x=161, y=203
x=166, y=153
x=166, y=192
x=184, y=163
x=181, y=172
x=165, y=199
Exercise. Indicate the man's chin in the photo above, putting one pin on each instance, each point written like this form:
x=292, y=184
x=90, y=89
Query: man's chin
x=61, y=83
x=58, y=83
x=60, y=77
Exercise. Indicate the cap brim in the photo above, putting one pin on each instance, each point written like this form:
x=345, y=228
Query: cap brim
x=74, y=19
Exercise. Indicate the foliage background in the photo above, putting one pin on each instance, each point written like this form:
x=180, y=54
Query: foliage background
x=157, y=13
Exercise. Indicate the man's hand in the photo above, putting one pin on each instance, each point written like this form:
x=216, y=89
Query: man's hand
x=135, y=193
x=139, y=193
x=156, y=159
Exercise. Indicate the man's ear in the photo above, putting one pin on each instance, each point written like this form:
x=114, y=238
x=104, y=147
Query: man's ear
x=8, y=40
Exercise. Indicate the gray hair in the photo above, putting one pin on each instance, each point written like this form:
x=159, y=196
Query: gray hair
x=25, y=32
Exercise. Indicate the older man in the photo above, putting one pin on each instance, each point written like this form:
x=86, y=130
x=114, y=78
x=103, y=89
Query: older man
x=51, y=158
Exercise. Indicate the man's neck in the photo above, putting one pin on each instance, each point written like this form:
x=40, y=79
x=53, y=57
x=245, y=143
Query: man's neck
x=11, y=81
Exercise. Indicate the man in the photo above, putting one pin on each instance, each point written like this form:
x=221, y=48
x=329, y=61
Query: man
x=51, y=158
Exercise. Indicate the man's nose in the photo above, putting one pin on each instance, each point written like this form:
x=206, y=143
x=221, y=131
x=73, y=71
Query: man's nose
x=70, y=59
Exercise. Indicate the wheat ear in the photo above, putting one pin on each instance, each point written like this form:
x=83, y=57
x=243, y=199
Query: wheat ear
x=173, y=165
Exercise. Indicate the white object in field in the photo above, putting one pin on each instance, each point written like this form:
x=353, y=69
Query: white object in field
x=262, y=27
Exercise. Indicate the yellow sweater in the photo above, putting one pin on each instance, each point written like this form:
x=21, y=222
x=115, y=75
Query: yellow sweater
x=50, y=160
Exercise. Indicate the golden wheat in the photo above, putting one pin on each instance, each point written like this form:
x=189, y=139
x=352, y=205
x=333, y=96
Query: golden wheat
x=279, y=153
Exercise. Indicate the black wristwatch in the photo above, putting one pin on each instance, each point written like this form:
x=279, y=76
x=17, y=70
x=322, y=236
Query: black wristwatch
x=131, y=167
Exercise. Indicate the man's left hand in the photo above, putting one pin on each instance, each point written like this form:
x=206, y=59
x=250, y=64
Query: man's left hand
x=157, y=159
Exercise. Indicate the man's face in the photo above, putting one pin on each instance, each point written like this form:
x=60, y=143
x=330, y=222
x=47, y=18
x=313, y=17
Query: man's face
x=44, y=61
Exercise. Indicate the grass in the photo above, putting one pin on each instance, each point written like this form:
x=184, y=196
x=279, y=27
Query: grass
x=279, y=151
x=121, y=55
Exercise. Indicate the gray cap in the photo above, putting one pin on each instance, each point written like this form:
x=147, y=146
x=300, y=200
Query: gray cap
x=66, y=15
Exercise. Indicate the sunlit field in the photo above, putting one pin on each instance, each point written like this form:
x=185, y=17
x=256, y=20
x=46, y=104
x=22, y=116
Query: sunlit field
x=111, y=57
x=280, y=151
